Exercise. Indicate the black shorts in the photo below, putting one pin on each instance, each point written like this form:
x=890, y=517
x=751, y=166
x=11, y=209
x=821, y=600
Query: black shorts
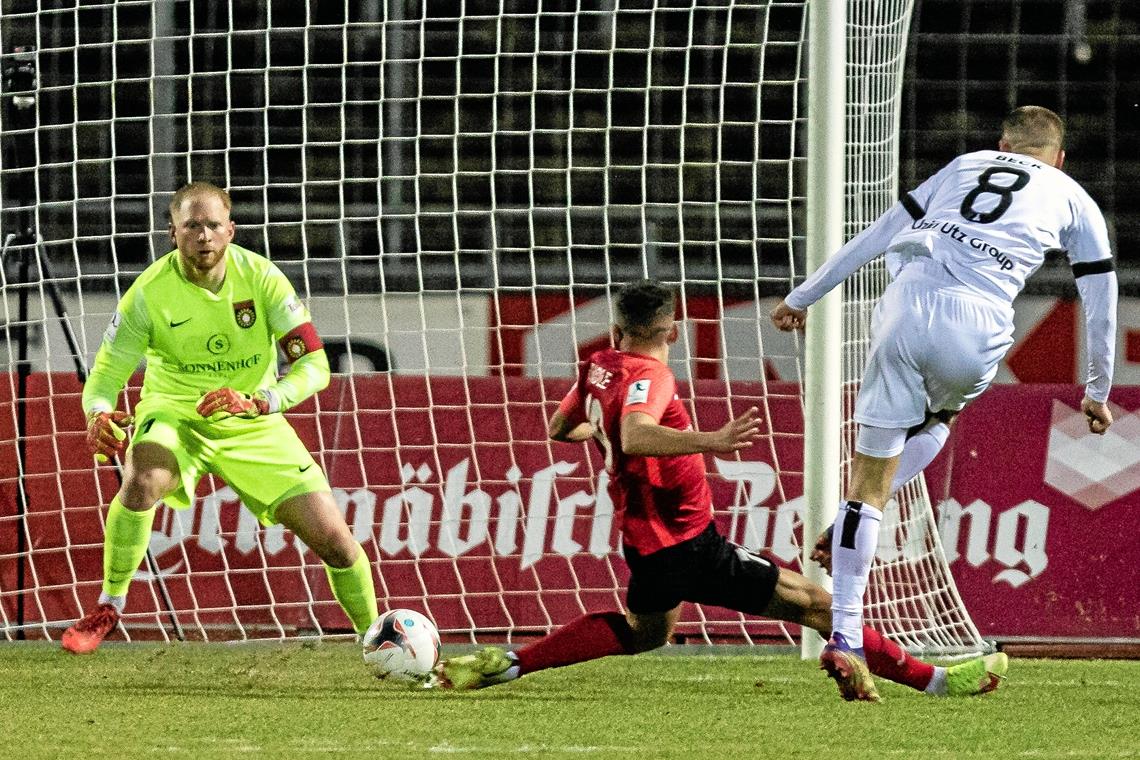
x=706, y=569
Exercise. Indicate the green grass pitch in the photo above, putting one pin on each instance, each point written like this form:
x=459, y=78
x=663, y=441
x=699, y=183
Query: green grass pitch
x=305, y=701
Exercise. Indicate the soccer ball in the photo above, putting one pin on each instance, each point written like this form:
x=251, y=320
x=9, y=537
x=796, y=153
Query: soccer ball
x=402, y=645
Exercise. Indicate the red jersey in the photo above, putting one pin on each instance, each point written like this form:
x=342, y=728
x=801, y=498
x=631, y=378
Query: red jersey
x=660, y=501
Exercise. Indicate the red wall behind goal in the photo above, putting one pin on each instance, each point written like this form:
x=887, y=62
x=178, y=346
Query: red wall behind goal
x=1039, y=516
x=478, y=520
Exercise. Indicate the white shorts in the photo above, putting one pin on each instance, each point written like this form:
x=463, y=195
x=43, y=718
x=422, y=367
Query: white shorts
x=932, y=347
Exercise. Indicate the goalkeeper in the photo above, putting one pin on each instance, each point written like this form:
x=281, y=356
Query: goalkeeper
x=205, y=318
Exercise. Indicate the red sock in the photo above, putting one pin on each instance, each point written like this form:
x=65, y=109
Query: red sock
x=598, y=634
x=887, y=659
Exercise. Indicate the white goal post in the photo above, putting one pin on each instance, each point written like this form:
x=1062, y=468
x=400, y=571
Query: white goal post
x=457, y=188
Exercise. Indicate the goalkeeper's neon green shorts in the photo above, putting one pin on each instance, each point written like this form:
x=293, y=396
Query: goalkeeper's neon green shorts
x=262, y=458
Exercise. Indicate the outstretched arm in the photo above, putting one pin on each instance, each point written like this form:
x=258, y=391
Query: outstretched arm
x=1096, y=283
x=873, y=240
x=641, y=435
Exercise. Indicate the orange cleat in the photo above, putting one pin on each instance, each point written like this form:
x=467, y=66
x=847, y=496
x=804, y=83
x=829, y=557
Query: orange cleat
x=89, y=631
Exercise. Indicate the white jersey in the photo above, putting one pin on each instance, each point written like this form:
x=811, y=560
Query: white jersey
x=981, y=226
x=990, y=218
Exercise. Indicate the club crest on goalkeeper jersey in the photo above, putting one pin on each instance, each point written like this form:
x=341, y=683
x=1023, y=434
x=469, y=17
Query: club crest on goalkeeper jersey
x=193, y=340
x=661, y=501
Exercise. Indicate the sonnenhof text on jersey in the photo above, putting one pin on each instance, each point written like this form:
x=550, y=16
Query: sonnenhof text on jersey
x=954, y=232
x=221, y=365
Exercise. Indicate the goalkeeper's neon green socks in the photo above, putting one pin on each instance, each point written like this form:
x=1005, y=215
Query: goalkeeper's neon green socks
x=352, y=587
x=124, y=546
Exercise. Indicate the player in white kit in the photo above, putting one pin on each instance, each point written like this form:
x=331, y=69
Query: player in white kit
x=959, y=249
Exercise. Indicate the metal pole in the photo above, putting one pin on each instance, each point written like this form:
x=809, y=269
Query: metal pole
x=394, y=79
x=18, y=82
x=827, y=101
x=23, y=370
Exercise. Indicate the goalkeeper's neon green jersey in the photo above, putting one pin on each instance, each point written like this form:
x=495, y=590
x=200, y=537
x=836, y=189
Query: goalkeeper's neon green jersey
x=195, y=341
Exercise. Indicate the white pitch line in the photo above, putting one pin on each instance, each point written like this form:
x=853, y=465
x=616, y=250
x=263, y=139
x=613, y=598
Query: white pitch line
x=447, y=748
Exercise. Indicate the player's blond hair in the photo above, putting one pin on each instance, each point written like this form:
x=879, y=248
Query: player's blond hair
x=1033, y=129
x=199, y=188
x=643, y=307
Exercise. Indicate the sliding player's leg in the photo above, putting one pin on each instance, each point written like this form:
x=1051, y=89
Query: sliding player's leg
x=732, y=577
x=979, y=675
x=596, y=635
x=657, y=586
x=280, y=482
x=157, y=463
x=589, y=637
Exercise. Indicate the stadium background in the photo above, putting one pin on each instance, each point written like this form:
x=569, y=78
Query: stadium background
x=968, y=63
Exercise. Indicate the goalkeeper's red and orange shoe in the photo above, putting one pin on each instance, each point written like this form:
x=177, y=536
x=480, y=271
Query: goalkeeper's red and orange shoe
x=90, y=630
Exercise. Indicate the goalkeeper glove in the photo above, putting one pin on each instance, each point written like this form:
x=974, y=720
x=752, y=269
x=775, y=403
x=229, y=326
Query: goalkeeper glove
x=226, y=402
x=105, y=435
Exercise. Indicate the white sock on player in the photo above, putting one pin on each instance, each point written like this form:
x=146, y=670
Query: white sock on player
x=853, y=543
x=118, y=602
x=937, y=685
x=513, y=671
x=919, y=451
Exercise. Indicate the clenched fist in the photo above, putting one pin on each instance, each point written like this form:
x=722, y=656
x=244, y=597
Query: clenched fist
x=821, y=552
x=786, y=318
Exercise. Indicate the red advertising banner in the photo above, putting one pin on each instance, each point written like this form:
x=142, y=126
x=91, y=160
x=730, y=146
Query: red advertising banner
x=474, y=517
x=450, y=484
x=1039, y=517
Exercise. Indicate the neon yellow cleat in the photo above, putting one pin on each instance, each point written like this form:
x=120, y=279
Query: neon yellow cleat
x=487, y=667
x=978, y=676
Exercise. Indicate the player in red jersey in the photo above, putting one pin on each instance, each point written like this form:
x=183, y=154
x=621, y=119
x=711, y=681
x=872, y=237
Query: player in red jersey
x=625, y=400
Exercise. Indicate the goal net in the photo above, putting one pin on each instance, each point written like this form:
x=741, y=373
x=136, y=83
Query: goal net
x=457, y=189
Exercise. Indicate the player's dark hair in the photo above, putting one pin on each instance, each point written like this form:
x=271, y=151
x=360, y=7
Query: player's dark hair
x=642, y=305
x=196, y=188
x=1031, y=128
